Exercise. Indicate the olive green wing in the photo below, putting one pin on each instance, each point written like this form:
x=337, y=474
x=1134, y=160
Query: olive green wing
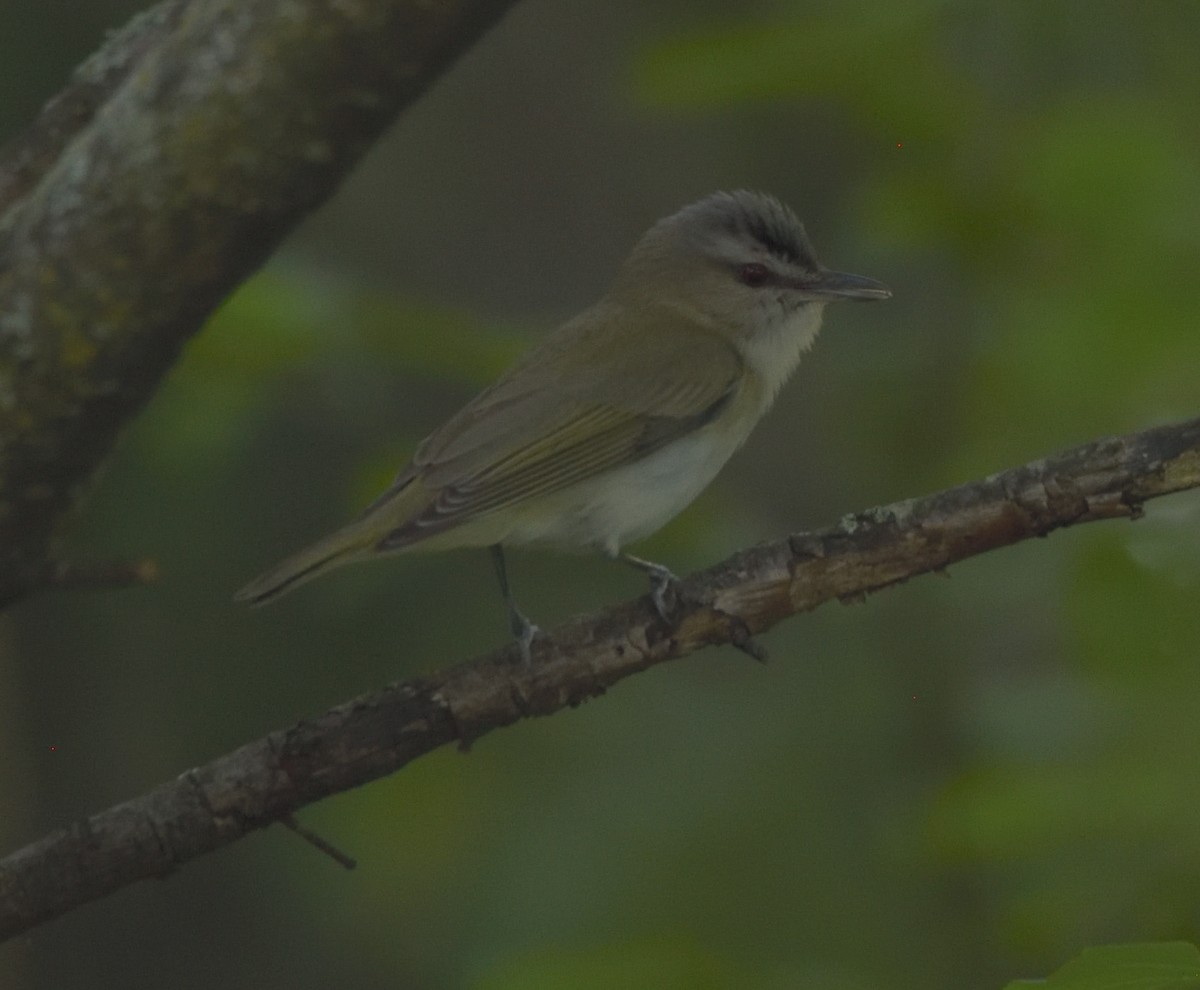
x=553, y=422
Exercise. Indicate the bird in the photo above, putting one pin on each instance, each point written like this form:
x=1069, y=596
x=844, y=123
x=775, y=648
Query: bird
x=613, y=423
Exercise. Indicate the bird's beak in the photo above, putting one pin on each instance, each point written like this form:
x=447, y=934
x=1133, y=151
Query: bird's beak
x=830, y=286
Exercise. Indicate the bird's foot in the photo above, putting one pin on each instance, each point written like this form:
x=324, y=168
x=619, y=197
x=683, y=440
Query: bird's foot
x=524, y=632
x=664, y=585
x=664, y=591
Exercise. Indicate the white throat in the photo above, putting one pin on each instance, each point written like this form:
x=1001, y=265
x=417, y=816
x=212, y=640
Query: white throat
x=773, y=352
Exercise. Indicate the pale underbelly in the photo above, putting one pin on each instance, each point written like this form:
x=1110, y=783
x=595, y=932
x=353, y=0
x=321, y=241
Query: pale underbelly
x=629, y=503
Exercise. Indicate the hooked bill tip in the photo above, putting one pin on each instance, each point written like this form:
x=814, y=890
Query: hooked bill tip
x=843, y=285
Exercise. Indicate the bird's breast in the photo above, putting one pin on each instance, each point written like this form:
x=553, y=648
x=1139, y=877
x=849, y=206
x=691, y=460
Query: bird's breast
x=631, y=502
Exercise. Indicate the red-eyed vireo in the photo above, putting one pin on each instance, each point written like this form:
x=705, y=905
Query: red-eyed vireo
x=618, y=419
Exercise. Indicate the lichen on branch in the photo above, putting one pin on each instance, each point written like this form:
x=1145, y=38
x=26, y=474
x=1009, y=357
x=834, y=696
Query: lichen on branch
x=165, y=174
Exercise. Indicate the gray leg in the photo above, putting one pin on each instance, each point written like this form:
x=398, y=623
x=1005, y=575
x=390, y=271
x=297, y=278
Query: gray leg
x=664, y=592
x=521, y=627
x=662, y=583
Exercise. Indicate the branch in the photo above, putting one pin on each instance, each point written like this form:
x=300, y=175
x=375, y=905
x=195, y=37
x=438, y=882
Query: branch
x=24, y=160
x=165, y=173
x=111, y=574
x=377, y=733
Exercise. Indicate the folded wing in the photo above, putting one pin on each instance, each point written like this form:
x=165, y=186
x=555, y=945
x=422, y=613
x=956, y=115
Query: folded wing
x=553, y=422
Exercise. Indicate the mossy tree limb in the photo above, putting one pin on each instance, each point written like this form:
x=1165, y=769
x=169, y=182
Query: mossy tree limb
x=166, y=173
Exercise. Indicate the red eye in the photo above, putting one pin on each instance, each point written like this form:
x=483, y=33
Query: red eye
x=754, y=274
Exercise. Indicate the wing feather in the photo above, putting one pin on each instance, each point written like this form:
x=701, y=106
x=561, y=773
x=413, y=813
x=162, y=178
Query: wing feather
x=551, y=423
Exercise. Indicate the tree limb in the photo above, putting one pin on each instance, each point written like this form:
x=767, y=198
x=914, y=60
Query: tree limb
x=24, y=160
x=268, y=780
x=164, y=174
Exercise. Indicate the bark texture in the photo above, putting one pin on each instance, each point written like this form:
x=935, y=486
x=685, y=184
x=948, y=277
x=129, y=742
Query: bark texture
x=377, y=733
x=162, y=176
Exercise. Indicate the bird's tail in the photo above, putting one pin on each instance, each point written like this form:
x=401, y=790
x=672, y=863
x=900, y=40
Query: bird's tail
x=346, y=544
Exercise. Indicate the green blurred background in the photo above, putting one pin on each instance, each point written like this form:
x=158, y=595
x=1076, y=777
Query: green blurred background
x=960, y=782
